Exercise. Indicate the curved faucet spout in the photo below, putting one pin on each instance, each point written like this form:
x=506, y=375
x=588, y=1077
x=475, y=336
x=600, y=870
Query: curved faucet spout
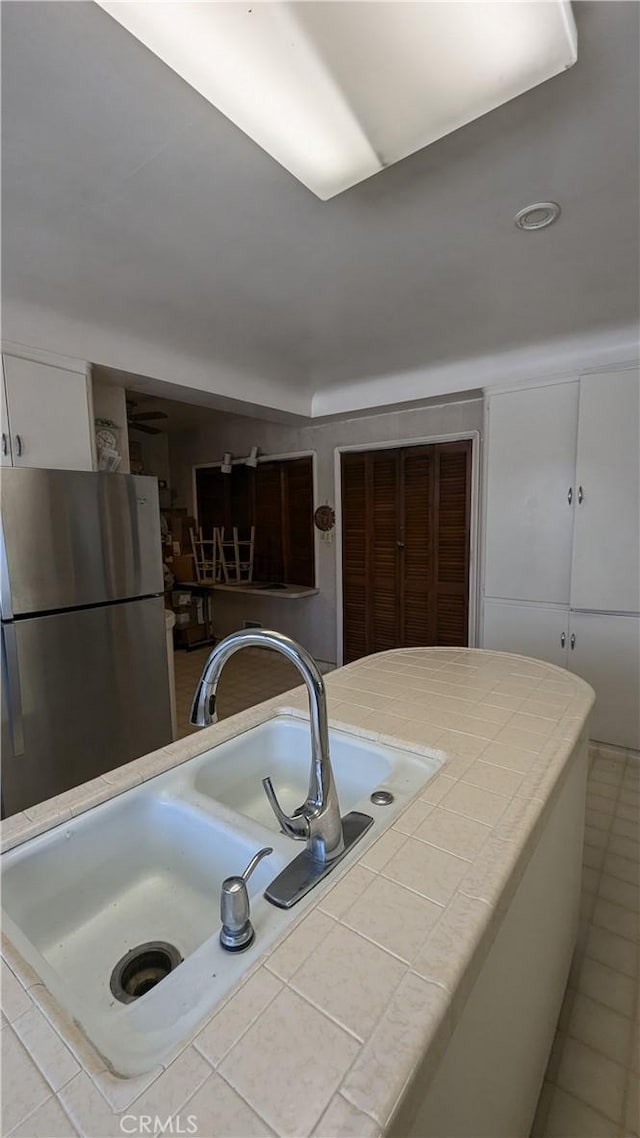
x=318, y=819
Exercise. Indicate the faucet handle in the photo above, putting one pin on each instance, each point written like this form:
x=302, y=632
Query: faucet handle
x=237, y=931
x=295, y=825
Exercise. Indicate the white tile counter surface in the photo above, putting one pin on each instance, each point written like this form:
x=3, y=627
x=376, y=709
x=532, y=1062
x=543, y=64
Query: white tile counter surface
x=324, y=1034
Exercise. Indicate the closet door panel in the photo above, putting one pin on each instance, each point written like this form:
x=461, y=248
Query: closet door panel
x=354, y=555
x=417, y=548
x=383, y=595
x=452, y=527
x=606, y=551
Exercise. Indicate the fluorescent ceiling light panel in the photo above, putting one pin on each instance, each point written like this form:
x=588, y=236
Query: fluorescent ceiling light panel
x=336, y=91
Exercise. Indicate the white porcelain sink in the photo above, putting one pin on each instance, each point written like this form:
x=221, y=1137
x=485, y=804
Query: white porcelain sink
x=232, y=773
x=148, y=865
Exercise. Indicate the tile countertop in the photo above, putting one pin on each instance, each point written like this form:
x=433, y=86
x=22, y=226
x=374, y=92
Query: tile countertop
x=324, y=1035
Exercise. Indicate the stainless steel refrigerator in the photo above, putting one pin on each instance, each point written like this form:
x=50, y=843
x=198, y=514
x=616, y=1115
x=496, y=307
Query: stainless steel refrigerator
x=85, y=682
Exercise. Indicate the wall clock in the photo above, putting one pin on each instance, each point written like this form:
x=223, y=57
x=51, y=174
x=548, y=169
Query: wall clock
x=107, y=434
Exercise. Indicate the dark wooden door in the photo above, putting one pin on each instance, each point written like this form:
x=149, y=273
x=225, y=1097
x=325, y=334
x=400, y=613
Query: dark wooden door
x=405, y=543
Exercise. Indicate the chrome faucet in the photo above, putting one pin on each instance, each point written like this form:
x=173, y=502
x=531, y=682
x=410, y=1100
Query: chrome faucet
x=318, y=819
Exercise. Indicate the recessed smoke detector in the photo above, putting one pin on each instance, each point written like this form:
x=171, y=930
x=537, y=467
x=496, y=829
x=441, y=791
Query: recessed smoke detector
x=538, y=215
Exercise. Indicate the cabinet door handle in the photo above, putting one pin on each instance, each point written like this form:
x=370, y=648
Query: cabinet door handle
x=570, y=495
x=563, y=639
x=19, y=446
x=573, y=641
x=580, y=496
x=5, y=447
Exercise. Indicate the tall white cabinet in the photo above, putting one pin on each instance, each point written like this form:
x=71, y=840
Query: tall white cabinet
x=562, y=537
x=606, y=546
x=530, y=472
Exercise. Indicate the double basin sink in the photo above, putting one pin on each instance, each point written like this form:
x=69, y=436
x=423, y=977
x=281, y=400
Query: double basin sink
x=147, y=866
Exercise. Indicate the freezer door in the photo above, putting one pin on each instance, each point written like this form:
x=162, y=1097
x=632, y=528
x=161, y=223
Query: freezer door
x=73, y=538
x=90, y=691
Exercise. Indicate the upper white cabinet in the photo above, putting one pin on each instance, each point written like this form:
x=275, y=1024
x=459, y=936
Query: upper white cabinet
x=48, y=419
x=530, y=478
x=606, y=549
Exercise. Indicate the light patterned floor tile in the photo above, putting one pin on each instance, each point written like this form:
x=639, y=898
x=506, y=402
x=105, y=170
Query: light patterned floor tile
x=600, y=1028
x=568, y=1117
x=593, y=1079
x=597, y=1067
x=248, y=678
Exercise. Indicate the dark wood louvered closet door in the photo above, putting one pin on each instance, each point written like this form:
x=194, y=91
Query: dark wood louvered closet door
x=405, y=547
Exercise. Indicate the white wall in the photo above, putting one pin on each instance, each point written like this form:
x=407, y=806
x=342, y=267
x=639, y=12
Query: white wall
x=311, y=620
x=155, y=453
x=109, y=402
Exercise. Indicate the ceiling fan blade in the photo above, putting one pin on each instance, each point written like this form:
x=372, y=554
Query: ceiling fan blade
x=148, y=415
x=141, y=427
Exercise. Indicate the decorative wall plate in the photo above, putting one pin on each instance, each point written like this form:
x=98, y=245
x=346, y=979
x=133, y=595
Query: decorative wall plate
x=325, y=518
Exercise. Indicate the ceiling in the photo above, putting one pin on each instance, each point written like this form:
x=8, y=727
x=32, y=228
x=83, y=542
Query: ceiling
x=179, y=416
x=202, y=410
x=132, y=205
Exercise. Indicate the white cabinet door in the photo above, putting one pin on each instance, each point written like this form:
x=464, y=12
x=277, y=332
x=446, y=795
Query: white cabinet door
x=606, y=653
x=5, y=450
x=530, y=630
x=49, y=415
x=606, y=552
x=530, y=471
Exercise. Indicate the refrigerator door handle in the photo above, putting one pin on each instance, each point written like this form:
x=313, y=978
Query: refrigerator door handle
x=12, y=680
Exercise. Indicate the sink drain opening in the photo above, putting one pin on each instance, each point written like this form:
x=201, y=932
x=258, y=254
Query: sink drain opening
x=142, y=968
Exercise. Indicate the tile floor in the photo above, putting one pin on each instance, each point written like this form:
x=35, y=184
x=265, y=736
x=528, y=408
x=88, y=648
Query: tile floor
x=247, y=679
x=591, y=1083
